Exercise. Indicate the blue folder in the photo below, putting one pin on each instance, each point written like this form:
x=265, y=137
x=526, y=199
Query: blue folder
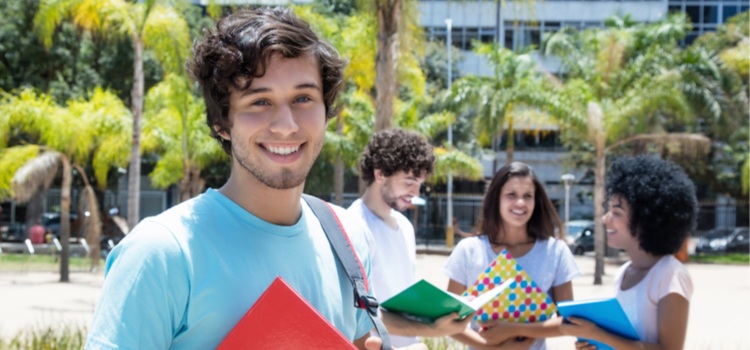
x=606, y=313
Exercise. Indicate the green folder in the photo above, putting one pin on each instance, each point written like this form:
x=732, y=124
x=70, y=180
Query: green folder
x=424, y=302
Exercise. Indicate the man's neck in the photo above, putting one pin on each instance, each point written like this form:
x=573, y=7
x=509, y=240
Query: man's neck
x=279, y=207
x=374, y=201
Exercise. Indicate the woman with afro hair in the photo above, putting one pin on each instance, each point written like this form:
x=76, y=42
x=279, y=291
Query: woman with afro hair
x=652, y=209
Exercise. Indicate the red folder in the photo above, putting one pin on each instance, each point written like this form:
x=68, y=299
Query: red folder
x=267, y=324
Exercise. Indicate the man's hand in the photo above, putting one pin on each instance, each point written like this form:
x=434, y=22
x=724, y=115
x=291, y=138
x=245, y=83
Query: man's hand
x=449, y=325
x=443, y=326
x=374, y=343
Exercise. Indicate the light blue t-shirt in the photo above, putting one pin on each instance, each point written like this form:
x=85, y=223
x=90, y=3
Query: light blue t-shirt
x=549, y=263
x=183, y=279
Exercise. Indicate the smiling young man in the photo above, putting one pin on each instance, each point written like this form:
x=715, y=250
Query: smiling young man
x=394, y=165
x=183, y=279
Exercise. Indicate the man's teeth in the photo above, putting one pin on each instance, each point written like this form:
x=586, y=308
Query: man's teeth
x=283, y=150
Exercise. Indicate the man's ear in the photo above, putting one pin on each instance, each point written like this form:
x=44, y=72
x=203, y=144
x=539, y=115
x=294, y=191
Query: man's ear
x=379, y=177
x=222, y=132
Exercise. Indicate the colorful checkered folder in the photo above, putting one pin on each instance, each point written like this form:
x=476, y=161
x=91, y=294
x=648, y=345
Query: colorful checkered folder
x=522, y=302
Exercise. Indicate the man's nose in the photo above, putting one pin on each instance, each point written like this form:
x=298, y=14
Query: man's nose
x=283, y=120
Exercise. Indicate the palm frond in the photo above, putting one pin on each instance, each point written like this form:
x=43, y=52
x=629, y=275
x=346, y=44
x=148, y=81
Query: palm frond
x=12, y=159
x=166, y=33
x=36, y=175
x=92, y=223
x=458, y=163
x=694, y=145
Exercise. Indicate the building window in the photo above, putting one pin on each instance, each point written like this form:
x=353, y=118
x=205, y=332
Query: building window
x=710, y=14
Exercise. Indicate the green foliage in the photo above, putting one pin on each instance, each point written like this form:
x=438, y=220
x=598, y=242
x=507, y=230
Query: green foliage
x=635, y=73
x=443, y=343
x=11, y=159
x=39, y=262
x=351, y=28
x=173, y=116
x=495, y=99
x=725, y=119
x=736, y=258
x=92, y=131
x=61, y=337
x=75, y=63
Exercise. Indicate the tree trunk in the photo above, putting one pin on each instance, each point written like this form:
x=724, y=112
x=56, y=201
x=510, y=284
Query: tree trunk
x=197, y=183
x=191, y=184
x=34, y=209
x=599, y=243
x=134, y=170
x=186, y=185
x=67, y=182
x=389, y=18
x=495, y=150
x=510, y=145
x=597, y=134
x=338, y=170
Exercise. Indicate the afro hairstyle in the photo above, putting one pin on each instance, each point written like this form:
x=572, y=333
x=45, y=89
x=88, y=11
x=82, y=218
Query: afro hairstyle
x=663, y=206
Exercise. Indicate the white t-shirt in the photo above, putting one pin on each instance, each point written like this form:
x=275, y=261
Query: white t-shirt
x=549, y=263
x=641, y=301
x=392, y=257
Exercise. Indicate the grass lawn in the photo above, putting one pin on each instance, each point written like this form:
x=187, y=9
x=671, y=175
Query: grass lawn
x=40, y=262
x=735, y=258
x=62, y=338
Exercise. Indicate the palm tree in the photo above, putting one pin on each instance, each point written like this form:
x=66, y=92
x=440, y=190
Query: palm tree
x=515, y=86
x=93, y=132
x=175, y=128
x=150, y=24
x=347, y=137
x=622, y=83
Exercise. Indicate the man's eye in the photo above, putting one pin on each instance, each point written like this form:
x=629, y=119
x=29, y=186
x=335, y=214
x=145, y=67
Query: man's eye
x=303, y=99
x=261, y=103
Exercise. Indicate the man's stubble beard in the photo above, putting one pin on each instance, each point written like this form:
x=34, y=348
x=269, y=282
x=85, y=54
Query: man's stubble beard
x=388, y=196
x=287, y=179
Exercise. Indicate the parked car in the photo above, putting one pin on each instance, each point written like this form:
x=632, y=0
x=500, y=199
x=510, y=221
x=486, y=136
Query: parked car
x=739, y=241
x=723, y=240
x=51, y=223
x=584, y=242
x=580, y=237
x=12, y=232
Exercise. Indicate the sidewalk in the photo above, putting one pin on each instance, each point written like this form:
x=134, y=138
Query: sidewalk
x=719, y=310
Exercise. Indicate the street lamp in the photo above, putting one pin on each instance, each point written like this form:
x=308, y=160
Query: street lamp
x=449, y=219
x=567, y=180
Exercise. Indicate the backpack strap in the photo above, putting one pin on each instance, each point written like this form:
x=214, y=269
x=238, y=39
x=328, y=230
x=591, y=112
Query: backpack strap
x=344, y=250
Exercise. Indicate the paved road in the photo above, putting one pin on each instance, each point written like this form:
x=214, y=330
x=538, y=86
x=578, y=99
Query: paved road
x=719, y=314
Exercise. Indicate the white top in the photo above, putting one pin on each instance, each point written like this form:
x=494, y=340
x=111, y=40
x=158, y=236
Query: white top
x=549, y=263
x=641, y=301
x=392, y=257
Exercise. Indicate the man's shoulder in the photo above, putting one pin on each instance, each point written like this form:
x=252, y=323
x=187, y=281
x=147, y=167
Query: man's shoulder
x=188, y=213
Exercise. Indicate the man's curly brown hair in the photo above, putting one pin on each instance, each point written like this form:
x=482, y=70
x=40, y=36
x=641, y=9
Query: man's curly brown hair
x=241, y=47
x=394, y=150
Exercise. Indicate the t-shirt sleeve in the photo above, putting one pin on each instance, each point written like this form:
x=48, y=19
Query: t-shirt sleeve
x=145, y=292
x=567, y=269
x=455, y=268
x=678, y=282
